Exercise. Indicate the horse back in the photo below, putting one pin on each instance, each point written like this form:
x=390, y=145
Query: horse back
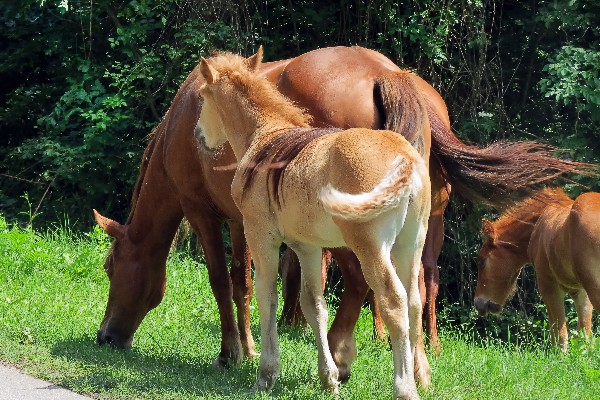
x=336, y=85
x=358, y=159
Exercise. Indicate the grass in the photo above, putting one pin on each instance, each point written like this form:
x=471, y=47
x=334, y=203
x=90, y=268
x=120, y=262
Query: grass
x=52, y=297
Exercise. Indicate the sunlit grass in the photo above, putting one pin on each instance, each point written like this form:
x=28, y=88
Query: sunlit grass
x=52, y=297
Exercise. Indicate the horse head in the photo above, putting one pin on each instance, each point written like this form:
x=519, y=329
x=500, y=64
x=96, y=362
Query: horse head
x=209, y=129
x=135, y=287
x=499, y=263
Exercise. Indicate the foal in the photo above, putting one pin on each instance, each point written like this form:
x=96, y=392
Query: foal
x=313, y=188
x=561, y=237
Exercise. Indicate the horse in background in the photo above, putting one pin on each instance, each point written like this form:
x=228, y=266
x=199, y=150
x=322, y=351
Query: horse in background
x=561, y=238
x=363, y=189
x=179, y=178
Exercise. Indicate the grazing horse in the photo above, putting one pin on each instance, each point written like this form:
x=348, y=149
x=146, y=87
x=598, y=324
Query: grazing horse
x=338, y=86
x=561, y=238
x=311, y=188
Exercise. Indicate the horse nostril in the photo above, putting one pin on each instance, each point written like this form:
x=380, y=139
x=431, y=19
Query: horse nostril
x=481, y=305
x=484, y=306
x=494, y=307
x=102, y=338
x=344, y=377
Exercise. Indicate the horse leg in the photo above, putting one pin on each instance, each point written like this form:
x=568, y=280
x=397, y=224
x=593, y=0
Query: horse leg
x=554, y=298
x=289, y=267
x=592, y=288
x=406, y=255
x=393, y=301
x=584, y=311
x=241, y=279
x=585, y=263
x=378, y=325
x=265, y=252
x=208, y=230
x=431, y=253
x=341, y=334
x=315, y=311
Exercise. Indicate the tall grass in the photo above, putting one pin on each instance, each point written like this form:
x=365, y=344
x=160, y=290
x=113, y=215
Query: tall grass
x=52, y=297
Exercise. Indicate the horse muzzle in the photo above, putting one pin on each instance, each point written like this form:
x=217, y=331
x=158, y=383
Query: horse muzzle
x=485, y=306
x=104, y=337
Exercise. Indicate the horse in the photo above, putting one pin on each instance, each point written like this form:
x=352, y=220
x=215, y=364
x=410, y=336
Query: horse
x=311, y=188
x=561, y=238
x=357, y=87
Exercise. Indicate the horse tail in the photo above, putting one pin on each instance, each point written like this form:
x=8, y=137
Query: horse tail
x=402, y=108
x=401, y=181
x=148, y=151
x=502, y=173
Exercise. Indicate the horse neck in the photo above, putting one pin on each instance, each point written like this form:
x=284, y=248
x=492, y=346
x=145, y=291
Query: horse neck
x=156, y=212
x=516, y=231
x=253, y=126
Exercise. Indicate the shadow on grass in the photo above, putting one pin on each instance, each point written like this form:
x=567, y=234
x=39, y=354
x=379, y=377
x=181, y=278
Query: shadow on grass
x=138, y=373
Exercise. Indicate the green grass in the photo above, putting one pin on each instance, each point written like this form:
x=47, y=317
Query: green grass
x=53, y=291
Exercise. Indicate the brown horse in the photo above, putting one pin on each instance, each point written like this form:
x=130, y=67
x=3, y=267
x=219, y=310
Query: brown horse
x=561, y=237
x=363, y=189
x=179, y=179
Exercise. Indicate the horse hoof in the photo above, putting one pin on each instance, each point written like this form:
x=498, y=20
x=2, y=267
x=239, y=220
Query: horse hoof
x=330, y=381
x=332, y=387
x=408, y=397
x=335, y=389
x=224, y=362
x=406, y=394
x=423, y=379
x=220, y=362
x=263, y=385
x=436, y=347
x=251, y=354
x=344, y=374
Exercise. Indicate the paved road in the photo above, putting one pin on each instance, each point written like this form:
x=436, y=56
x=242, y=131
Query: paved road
x=17, y=386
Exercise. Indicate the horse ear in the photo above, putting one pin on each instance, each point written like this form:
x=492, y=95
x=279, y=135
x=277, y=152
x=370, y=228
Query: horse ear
x=112, y=228
x=488, y=230
x=253, y=62
x=208, y=72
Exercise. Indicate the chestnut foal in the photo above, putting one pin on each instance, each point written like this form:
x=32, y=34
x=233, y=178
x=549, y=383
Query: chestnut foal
x=311, y=188
x=561, y=237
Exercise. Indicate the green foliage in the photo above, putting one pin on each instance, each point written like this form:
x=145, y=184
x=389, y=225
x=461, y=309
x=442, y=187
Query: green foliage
x=76, y=122
x=574, y=77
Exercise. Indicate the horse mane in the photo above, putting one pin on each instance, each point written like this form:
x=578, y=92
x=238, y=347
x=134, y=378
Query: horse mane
x=258, y=90
x=143, y=168
x=276, y=155
x=529, y=210
x=148, y=151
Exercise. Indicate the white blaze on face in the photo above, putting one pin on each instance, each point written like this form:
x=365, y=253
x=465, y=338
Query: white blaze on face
x=209, y=128
x=198, y=132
